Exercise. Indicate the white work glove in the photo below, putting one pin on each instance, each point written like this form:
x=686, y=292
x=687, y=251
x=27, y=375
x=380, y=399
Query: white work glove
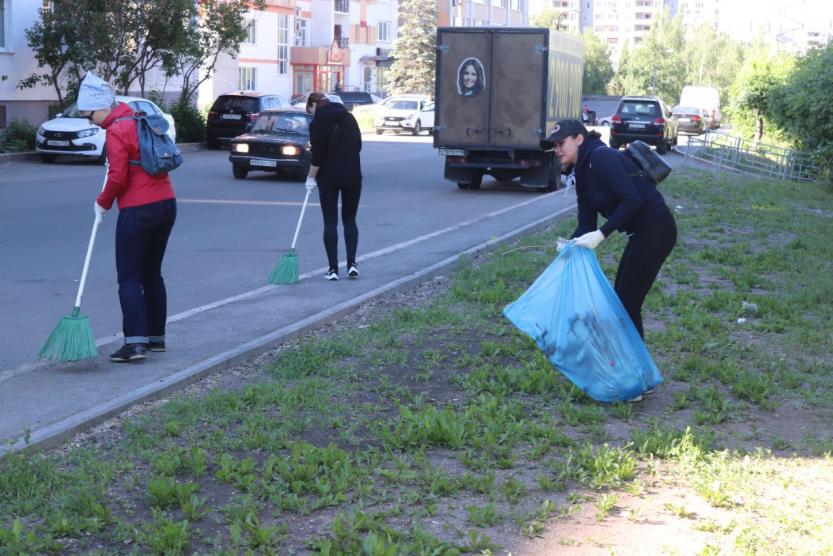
x=99, y=211
x=310, y=184
x=560, y=243
x=590, y=240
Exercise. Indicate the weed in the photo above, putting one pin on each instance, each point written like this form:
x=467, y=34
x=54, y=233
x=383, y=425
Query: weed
x=483, y=516
x=604, y=505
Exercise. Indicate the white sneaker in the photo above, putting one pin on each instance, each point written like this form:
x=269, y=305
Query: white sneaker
x=332, y=274
x=352, y=271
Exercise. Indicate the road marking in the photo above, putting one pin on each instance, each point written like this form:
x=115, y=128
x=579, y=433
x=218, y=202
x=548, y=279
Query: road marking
x=236, y=202
x=4, y=375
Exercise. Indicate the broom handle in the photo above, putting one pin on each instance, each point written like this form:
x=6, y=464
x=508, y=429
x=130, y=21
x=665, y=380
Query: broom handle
x=298, y=227
x=90, y=245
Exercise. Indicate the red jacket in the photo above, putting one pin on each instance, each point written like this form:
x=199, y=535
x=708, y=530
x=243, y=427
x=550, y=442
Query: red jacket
x=130, y=184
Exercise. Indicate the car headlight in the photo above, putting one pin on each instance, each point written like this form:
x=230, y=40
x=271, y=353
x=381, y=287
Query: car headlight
x=241, y=147
x=87, y=132
x=290, y=150
x=41, y=131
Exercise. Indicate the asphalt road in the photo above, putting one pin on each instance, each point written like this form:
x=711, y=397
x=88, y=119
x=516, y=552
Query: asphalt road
x=229, y=233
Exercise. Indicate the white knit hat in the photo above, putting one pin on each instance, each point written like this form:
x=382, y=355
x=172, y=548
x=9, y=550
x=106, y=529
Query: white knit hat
x=95, y=94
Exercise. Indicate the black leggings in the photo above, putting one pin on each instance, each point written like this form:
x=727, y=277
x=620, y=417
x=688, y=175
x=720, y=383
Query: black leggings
x=643, y=256
x=328, y=195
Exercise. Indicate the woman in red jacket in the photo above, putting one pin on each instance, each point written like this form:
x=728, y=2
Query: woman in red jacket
x=147, y=211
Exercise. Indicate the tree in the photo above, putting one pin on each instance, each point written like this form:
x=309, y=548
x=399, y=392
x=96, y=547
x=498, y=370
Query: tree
x=415, y=51
x=546, y=18
x=123, y=40
x=754, y=87
x=657, y=66
x=712, y=59
x=802, y=110
x=598, y=69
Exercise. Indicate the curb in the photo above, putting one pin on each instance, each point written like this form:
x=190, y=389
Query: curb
x=52, y=435
x=30, y=156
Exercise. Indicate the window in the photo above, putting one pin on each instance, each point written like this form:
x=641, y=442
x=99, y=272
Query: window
x=246, y=78
x=252, y=36
x=301, y=31
x=3, y=44
x=384, y=30
x=2, y=116
x=283, y=43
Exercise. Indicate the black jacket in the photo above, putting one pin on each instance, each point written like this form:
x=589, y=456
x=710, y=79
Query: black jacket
x=335, y=142
x=606, y=184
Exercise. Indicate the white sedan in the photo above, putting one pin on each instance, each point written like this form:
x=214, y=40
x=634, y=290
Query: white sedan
x=70, y=134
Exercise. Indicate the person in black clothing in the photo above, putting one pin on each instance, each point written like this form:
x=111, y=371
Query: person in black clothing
x=607, y=183
x=335, y=142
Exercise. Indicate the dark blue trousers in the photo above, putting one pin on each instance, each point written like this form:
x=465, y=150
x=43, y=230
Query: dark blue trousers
x=141, y=238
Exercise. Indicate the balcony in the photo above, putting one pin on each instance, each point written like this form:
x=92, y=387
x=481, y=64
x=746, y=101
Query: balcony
x=342, y=6
x=343, y=42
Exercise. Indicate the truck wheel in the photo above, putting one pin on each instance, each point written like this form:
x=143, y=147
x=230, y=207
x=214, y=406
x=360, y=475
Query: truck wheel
x=239, y=172
x=380, y=131
x=476, y=181
x=417, y=128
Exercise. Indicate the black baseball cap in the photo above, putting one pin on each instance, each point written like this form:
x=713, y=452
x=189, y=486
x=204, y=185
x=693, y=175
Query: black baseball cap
x=562, y=129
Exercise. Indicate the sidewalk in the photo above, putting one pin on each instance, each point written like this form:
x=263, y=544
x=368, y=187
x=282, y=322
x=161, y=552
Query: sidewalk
x=44, y=405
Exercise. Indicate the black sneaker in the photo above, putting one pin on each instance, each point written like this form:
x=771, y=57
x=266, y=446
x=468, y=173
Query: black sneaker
x=129, y=352
x=332, y=274
x=157, y=346
x=352, y=271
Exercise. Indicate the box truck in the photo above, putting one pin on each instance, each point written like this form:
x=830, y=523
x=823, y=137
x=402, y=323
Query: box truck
x=497, y=93
x=707, y=98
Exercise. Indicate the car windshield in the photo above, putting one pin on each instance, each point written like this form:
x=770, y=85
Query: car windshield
x=244, y=104
x=282, y=122
x=402, y=105
x=686, y=110
x=637, y=108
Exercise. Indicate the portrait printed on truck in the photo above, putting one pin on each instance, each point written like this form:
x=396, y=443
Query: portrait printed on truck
x=471, y=78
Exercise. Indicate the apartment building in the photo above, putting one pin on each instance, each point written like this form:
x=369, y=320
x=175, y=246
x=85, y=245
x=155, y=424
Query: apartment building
x=292, y=47
x=482, y=13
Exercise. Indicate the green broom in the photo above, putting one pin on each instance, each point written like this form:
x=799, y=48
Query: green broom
x=286, y=271
x=73, y=338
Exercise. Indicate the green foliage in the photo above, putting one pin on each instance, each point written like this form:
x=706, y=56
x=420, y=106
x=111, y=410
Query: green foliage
x=190, y=122
x=598, y=68
x=753, y=90
x=658, y=66
x=123, y=40
x=803, y=111
x=414, y=51
x=712, y=59
x=18, y=137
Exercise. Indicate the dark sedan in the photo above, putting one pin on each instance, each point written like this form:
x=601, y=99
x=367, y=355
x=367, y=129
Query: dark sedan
x=690, y=119
x=277, y=142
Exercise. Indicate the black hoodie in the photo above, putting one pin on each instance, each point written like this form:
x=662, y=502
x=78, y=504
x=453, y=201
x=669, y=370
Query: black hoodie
x=606, y=184
x=336, y=142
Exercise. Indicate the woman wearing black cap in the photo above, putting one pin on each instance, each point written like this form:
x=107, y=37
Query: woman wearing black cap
x=608, y=183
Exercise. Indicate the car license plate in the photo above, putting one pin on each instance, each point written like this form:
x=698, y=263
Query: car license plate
x=232, y=116
x=261, y=162
x=53, y=143
x=636, y=126
x=451, y=152
x=684, y=120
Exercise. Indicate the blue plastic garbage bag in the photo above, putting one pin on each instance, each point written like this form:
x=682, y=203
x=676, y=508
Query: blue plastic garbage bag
x=578, y=321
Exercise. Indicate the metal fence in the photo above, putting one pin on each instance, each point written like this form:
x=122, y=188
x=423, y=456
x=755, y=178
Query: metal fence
x=754, y=158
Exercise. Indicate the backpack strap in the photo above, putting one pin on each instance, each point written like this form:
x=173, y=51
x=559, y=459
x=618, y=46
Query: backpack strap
x=136, y=119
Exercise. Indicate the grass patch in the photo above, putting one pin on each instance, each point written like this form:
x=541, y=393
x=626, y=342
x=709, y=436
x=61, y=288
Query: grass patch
x=437, y=428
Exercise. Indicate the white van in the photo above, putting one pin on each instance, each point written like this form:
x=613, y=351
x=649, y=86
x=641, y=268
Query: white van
x=707, y=98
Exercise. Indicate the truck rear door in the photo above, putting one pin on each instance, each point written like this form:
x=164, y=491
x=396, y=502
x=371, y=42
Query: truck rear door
x=463, y=109
x=518, y=89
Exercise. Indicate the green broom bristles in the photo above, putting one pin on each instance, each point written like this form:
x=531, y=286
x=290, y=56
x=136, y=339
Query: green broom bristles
x=286, y=271
x=71, y=340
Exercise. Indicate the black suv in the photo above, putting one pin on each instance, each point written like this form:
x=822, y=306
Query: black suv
x=351, y=99
x=233, y=113
x=647, y=119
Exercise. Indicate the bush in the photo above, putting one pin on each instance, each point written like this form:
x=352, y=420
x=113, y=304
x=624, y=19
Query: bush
x=19, y=137
x=190, y=123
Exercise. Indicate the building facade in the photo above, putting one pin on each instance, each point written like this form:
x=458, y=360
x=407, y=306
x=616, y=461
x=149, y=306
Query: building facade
x=292, y=48
x=482, y=13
